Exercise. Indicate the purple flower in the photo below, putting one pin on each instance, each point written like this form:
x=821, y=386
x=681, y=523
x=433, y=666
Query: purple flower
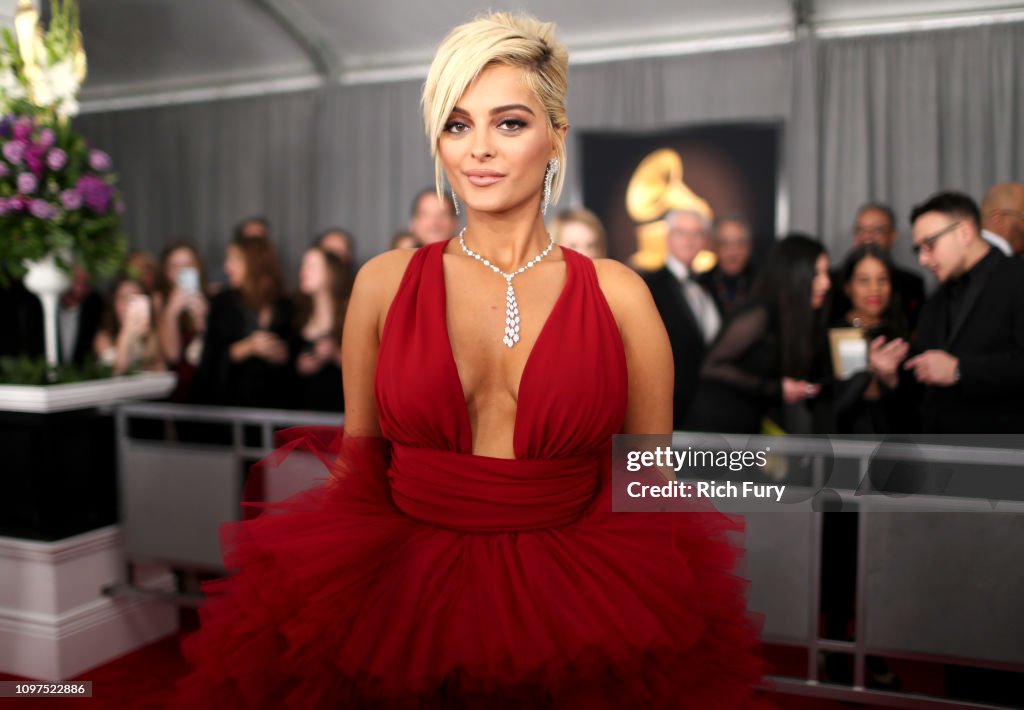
x=96, y=194
x=41, y=209
x=27, y=183
x=17, y=203
x=47, y=138
x=14, y=151
x=4, y=170
x=71, y=199
x=5, y=126
x=56, y=159
x=34, y=159
x=99, y=161
x=23, y=128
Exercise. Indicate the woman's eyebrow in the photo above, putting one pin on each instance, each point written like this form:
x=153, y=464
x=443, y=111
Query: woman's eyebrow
x=499, y=109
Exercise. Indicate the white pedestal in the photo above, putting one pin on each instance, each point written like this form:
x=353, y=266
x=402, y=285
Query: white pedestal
x=55, y=623
x=39, y=399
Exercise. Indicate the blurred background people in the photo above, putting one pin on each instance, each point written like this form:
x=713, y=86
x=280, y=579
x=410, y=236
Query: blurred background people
x=580, y=230
x=1002, y=217
x=141, y=266
x=690, y=315
x=339, y=242
x=253, y=226
x=730, y=280
x=245, y=351
x=316, y=340
x=970, y=340
x=181, y=307
x=771, y=352
x=865, y=403
x=405, y=239
x=875, y=223
x=126, y=340
x=78, y=318
x=432, y=219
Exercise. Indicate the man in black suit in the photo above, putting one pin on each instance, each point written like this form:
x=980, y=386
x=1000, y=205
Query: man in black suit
x=79, y=313
x=970, y=338
x=876, y=224
x=690, y=315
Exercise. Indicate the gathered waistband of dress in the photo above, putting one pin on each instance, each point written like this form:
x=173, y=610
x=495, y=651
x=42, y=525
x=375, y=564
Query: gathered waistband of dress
x=474, y=493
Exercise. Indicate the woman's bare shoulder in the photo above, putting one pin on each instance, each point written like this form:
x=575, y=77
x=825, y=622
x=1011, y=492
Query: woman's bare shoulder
x=623, y=288
x=377, y=281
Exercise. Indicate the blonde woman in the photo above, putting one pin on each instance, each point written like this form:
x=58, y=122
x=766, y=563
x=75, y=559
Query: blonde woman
x=580, y=230
x=464, y=553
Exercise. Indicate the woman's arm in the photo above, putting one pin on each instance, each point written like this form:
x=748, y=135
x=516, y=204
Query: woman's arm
x=375, y=287
x=649, y=364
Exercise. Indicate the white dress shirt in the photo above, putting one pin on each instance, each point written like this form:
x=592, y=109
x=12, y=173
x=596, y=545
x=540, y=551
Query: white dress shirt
x=703, y=308
x=997, y=241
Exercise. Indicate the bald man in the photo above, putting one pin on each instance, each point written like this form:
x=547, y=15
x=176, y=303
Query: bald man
x=1002, y=217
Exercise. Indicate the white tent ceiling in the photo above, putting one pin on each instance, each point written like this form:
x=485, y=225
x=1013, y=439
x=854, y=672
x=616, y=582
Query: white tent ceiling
x=147, y=48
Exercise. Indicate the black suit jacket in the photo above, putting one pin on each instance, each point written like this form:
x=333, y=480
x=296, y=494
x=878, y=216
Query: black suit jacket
x=89, y=318
x=683, y=333
x=988, y=339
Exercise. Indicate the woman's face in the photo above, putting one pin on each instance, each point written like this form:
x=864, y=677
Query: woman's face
x=580, y=237
x=123, y=296
x=821, y=283
x=312, y=272
x=496, y=144
x=869, y=288
x=234, y=266
x=177, y=260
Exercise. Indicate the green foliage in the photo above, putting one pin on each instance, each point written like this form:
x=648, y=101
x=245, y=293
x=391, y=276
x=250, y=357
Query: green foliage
x=34, y=371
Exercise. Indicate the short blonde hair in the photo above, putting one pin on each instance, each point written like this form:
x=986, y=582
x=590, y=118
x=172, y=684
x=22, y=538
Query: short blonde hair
x=516, y=40
x=585, y=217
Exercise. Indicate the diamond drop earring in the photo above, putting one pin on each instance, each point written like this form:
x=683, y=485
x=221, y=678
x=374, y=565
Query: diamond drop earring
x=549, y=175
x=455, y=201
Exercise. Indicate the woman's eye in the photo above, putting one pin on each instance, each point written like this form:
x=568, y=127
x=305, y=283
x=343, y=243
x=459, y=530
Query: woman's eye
x=455, y=127
x=512, y=124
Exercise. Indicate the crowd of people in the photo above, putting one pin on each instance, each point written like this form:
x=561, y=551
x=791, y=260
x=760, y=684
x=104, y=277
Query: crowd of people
x=751, y=349
x=754, y=354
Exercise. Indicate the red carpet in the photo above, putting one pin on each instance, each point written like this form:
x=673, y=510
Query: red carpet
x=145, y=678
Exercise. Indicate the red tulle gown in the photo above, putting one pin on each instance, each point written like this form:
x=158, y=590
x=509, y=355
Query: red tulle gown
x=422, y=575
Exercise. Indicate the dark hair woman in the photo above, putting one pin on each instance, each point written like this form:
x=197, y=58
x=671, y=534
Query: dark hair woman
x=245, y=353
x=316, y=337
x=181, y=306
x=771, y=351
x=864, y=403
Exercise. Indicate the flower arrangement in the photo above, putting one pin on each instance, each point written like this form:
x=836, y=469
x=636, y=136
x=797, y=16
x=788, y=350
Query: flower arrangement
x=57, y=194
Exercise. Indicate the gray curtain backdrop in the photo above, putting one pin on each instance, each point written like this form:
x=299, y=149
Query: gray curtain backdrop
x=892, y=118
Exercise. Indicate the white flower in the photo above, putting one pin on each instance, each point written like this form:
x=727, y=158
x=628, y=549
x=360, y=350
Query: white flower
x=63, y=81
x=10, y=87
x=68, y=108
x=42, y=92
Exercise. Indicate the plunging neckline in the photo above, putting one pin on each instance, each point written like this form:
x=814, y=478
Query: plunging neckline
x=454, y=367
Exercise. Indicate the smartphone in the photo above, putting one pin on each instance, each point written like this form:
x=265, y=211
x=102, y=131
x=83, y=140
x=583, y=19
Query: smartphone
x=188, y=280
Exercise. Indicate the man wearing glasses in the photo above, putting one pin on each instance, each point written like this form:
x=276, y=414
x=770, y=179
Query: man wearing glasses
x=970, y=339
x=1002, y=217
x=876, y=224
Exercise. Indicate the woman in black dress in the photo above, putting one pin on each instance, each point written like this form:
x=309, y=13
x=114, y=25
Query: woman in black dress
x=245, y=351
x=771, y=351
x=316, y=337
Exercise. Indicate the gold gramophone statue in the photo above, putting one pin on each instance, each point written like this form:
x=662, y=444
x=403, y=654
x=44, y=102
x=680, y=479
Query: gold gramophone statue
x=656, y=187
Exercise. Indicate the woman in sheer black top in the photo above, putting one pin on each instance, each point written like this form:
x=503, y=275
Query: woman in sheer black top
x=770, y=352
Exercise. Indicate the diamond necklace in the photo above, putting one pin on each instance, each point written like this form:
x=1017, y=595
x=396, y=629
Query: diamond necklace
x=511, y=305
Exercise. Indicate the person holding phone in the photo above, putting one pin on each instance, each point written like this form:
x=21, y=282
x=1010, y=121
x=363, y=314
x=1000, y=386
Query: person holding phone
x=126, y=340
x=181, y=306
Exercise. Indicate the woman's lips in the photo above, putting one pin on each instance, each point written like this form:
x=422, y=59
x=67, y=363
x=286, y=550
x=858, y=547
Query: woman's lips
x=483, y=178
